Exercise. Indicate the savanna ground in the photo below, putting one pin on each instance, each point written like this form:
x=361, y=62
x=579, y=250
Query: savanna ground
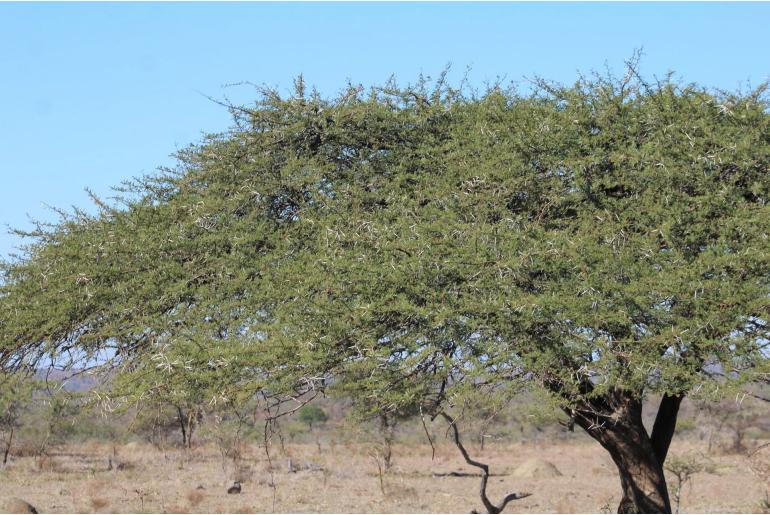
x=344, y=477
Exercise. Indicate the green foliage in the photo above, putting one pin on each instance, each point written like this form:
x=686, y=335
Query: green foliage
x=414, y=243
x=686, y=424
x=60, y=416
x=15, y=395
x=311, y=414
x=51, y=419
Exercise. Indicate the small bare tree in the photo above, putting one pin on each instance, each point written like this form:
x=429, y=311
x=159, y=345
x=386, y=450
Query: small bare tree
x=683, y=468
x=733, y=418
x=188, y=416
x=388, y=424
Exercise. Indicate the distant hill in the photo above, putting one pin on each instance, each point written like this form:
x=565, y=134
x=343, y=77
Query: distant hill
x=76, y=380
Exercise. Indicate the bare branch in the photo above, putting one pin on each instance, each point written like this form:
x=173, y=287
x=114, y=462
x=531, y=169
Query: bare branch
x=490, y=507
x=427, y=433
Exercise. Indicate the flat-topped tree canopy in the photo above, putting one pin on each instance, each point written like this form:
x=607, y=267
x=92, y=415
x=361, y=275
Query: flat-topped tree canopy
x=607, y=240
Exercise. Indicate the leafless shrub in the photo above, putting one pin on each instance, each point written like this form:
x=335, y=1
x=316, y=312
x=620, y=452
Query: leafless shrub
x=141, y=495
x=732, y=418
x=759, y=462
x=378, y=461
x=683, y=468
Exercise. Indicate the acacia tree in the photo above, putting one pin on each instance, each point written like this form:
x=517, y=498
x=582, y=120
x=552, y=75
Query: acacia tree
x=606, y=241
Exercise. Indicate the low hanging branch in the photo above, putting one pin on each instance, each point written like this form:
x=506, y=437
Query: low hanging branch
x=490, y=507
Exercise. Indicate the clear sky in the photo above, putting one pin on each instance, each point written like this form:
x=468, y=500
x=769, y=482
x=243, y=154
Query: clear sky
x=92, y=94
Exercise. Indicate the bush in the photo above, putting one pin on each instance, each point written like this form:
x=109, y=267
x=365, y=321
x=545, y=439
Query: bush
x=311, y=414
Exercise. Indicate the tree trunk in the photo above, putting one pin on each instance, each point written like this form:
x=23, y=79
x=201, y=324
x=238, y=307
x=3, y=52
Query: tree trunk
x=182, y=425
x=641, y=475
x=387, y=430
x=615, y=421
x=8, y=447
x=191, y=416
x=665, y=425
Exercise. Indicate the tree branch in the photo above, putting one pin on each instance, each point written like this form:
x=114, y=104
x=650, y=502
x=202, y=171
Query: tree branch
x=490, y=507
x=665, y=425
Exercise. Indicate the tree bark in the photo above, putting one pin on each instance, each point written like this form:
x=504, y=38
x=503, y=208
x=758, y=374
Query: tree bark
x=8, y=447
x=665, y=425
x=615, y=421
x=387, y=430
x=641, y=475
x=182, y=425
x=191, y=419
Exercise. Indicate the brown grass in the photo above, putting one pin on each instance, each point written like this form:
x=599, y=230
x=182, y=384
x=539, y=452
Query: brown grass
x=349, y=482
x=244, y=473
x=99, y=503
x=125, y=465
x=195, y=497
x=47, y=463
x=26, y=449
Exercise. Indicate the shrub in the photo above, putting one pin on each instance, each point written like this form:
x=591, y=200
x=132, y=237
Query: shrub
x=311, y=414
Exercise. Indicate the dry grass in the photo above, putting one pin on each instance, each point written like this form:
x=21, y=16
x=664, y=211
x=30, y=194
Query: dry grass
x=243, y=473
x=26, y=448
x=348, y=481
x=195, y=497
x=47, y=463
x=99, y=503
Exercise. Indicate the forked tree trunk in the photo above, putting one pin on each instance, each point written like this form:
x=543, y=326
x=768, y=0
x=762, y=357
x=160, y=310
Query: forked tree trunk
x=641, y=475
x=615, y=421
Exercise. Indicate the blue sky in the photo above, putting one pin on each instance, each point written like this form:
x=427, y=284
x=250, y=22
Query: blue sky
x=92, y=94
